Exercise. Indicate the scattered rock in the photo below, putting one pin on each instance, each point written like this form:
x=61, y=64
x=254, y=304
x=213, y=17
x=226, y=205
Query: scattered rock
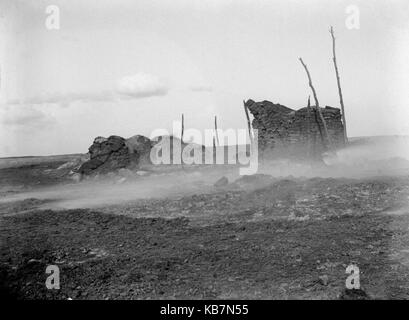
x=126, y=173
x=223, y=181
x=122, y=180
x=254, y=181
x=354, y=294
x=34, y=261
x=76, y=177
x=324, y=280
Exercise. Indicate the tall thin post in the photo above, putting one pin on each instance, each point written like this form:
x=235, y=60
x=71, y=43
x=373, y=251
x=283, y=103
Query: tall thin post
x=317, y=105
x=215, y=130
x=248, y=122
x=310, y=142
x=183, y=127
x=214, y=149
x=308, y=117
x=341, y=100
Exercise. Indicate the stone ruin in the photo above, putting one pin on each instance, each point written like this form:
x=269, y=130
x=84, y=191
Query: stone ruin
x=114, y=152
x=283, y=131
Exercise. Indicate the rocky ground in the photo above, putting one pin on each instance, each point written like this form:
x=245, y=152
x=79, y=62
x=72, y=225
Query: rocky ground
x=257, y=238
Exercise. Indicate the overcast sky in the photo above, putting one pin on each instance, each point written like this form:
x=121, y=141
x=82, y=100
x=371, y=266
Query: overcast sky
x=130, y=67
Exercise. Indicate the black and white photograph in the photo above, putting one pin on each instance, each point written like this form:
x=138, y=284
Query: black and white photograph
x=218, y=151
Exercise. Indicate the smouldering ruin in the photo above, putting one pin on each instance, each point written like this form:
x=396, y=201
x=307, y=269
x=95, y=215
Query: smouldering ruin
x=295, y=132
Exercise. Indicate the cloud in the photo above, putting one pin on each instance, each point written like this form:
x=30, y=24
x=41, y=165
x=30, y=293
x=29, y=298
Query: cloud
x=24, y=116
x=141, y=85
x=64, y=99
x=201, y=88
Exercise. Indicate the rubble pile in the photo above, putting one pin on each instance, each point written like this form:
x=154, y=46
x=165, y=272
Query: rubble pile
x=106, y=154
x=114, y=153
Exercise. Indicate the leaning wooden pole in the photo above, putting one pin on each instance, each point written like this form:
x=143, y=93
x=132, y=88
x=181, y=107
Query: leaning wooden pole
x=248, y=122
x=341, y=100
x=215, y=130
x=317, y=105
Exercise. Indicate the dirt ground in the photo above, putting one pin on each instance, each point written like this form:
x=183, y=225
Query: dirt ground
x=258, y=238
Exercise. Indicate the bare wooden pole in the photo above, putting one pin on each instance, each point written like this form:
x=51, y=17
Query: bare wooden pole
x=341, y=100
x=183, y=127
x=248, y=122
x=308, y=115
x=215, y=130
x=317, y=105
x=310, y=144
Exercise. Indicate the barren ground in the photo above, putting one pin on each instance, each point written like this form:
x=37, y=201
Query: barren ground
x=261, y=238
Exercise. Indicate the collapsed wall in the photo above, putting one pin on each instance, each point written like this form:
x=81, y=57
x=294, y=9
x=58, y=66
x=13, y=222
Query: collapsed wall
x=114, y=152
x=295, y=132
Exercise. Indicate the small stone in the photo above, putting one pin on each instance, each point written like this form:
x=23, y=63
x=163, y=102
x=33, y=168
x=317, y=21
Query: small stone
x=324, y=280
x=354, y=294
x=122, y=180
x=76, y=177
x=223, y=181
x=34, y=261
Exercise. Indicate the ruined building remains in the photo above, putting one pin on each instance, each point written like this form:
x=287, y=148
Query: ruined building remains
x=299, y=133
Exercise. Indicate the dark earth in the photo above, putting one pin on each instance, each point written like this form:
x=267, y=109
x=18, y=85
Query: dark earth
x=285, y=238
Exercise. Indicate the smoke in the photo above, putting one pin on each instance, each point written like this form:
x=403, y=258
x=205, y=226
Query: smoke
x=364, y=157
x=387, y=155
x=119, y=189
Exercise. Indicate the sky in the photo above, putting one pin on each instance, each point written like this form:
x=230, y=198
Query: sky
x=132, y=67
